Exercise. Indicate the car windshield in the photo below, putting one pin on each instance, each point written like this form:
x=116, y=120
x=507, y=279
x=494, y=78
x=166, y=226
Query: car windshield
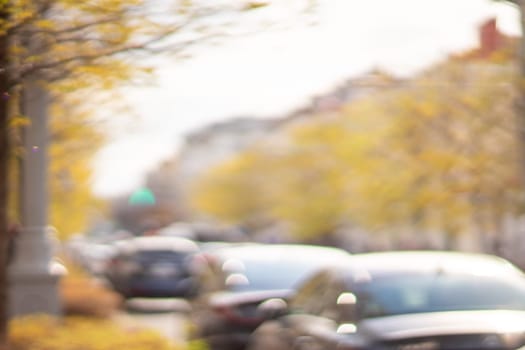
x=267, y=274
x=170, y=255
x=419, y=293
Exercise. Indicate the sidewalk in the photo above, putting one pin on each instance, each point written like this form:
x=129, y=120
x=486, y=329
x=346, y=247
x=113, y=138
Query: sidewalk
x=167, y=317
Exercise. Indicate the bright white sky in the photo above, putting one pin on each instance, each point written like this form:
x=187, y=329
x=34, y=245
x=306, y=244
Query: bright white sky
x=270, y=73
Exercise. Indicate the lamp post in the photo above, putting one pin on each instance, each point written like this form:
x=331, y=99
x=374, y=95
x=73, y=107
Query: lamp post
x=33, y=283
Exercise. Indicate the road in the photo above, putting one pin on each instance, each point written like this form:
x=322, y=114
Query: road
x=167, y=316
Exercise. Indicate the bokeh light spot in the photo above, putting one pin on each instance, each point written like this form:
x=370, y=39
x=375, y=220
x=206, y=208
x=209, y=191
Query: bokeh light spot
x=142, y=196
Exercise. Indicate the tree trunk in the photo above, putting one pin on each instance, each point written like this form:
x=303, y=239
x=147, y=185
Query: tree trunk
x=520, y=100
x=4, y=164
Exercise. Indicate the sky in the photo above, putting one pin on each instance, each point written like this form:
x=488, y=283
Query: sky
x=269, y=73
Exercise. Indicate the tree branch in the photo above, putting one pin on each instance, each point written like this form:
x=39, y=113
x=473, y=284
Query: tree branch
x=44, y=7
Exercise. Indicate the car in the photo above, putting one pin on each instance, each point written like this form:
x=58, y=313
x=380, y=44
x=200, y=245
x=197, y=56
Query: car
x=403, y=301
x=238, y=278
x=153, y=266
x=92, y=252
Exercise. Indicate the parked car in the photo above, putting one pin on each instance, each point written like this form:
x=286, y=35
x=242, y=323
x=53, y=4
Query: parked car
x=153, y=266
x=404, y=301
x=236, y=279
x=93, y=252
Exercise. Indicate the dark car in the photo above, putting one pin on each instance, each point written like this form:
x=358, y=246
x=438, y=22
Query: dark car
x=404, y=301
x=239, y=278
x=153, y=266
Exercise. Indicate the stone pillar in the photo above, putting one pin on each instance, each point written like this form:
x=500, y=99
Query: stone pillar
x=33, y=277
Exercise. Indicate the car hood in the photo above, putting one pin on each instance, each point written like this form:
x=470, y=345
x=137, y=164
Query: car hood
x=443, y=323
x=235, y=298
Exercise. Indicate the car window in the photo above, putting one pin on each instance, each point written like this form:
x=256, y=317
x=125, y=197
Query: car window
x=273, y=268
x=323, y=296
x=331, y=306
x=278, y=274
x=308, y=296
x=211, y=277
x=162, y=255
x=416, y=293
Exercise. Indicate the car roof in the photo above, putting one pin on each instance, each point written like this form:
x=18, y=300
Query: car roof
x=432, y=261
x=277, y=249
x=278, y=262
x=157, y=243
x=281, y=252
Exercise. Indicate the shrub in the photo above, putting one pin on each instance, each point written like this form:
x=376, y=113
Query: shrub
x=80, y=333
x=81, y=295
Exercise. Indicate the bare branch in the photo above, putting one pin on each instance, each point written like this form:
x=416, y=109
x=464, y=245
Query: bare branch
x=77, y=28
x=112, y=50
x=41, y=10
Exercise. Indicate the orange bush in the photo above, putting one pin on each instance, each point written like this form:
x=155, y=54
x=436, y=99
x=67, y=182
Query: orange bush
x=82, y=295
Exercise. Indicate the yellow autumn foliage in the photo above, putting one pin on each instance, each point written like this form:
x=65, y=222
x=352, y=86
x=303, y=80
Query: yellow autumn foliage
x=48, y=333
x=437, y=153
x=75, y=139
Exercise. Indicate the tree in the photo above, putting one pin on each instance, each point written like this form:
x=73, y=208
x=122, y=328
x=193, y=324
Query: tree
x=434, y=154
x=520, y=98
x=299, y=177
x=237, y=190
x=455, y=129
x=4, y=163
x=316, y=177
x=46, y=41
x=75, y=138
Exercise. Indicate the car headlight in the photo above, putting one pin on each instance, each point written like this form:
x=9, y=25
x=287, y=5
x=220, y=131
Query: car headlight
x=514, y=340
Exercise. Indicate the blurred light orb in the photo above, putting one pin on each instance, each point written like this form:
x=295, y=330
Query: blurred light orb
x=236, y=280
x=346, y=299
x=233, y=265
x=347, y=328
x=142, y=197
